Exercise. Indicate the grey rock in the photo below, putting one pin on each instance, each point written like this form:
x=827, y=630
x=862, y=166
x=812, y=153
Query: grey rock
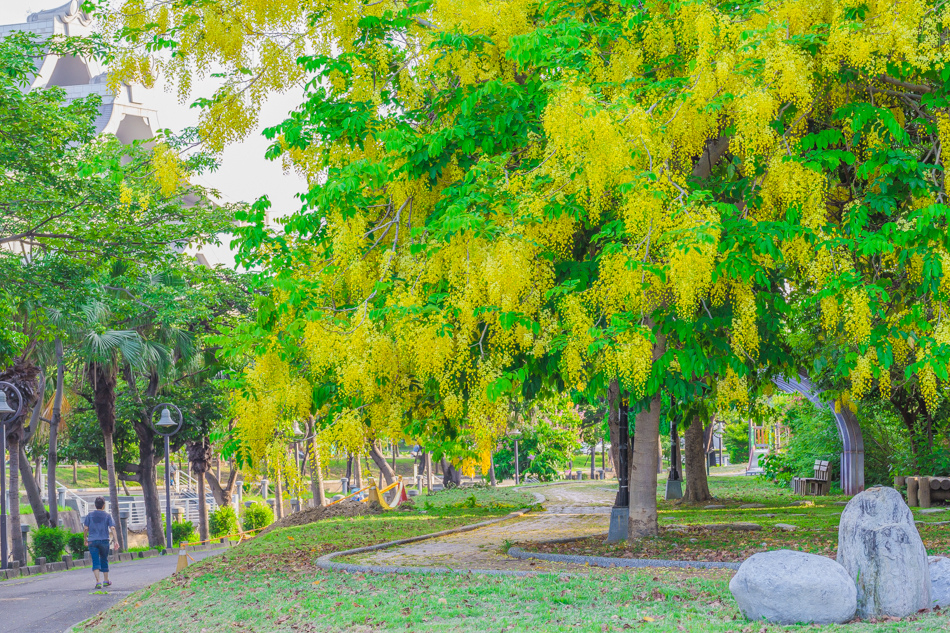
x=752, y=505
x=715, y=507
x=788, y=587
x=786, y=527
x=841, y=503
x=767, y=516
x=939, y=581
x=932, y=510
x=880, y=548
x=802, y=503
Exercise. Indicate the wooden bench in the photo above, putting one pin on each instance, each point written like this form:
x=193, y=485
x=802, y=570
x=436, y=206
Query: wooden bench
x=818, y=485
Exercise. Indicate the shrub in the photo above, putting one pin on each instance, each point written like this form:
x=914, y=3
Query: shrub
x=77, y=544
x=736, y=441
x=49, y=543
x=182, y=531
x=551, y=447
x=222, y=522
x=257, y=515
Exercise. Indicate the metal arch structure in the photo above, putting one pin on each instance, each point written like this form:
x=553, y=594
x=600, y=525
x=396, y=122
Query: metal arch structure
x=852, y=441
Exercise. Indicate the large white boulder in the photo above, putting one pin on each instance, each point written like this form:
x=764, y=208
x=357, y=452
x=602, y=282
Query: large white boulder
x=939, y=581
x=879, y=546
x=787, y=587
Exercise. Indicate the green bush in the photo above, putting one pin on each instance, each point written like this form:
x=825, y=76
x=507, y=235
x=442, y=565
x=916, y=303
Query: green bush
x=222, y=522
x=257, y=515
x=77, y=544
x=49, y=543
x=551, y=447
x=736, y=441
x=182, y=531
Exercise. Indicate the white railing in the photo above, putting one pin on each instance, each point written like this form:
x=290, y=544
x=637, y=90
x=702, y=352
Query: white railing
x=188, y=503
x=81, y=504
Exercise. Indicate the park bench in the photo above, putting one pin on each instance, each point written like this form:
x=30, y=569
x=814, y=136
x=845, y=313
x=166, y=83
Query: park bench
x=815, y=486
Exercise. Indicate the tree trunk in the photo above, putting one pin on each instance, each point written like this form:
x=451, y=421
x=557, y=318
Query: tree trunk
x=51, y=459
x=451, y=478
x=697, y=485
x=316, y=478
x=613, y=421
x=643, y=515
x=380, y=460
x=113, y=487
x=491, y=472
x=278, y=494
x=75, y=472
x=17, y=546
x=428, y=471
x=33, y=493
x=154, y=528
x=659, y=456
x=357, y=471
x=222, y=494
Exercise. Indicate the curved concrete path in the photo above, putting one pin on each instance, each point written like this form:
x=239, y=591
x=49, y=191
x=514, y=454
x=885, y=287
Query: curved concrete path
x=570, y=510
x=49, y=603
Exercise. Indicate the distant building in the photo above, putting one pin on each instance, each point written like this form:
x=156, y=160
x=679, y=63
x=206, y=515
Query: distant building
x=120, y=114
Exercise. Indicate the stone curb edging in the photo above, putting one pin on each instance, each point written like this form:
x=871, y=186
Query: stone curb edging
x=604, y=561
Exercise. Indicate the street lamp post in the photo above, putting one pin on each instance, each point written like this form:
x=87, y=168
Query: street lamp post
x=7, y=413
x=166, y=427
x=620, y=513
x=516, y=435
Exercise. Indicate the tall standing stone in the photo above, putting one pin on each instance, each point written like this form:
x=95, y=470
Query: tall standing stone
x=940, y=581
x=880, y=548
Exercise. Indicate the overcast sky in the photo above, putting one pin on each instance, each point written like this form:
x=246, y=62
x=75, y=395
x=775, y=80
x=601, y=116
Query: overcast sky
x=245, y=174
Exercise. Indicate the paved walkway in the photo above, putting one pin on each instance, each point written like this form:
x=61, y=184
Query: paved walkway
x=49, y=603
x=570, y=510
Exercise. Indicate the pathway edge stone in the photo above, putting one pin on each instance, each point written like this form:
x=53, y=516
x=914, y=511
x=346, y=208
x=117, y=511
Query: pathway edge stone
x=606, y=561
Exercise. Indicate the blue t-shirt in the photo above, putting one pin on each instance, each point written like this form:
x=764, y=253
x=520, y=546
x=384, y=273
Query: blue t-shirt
x=98, y=522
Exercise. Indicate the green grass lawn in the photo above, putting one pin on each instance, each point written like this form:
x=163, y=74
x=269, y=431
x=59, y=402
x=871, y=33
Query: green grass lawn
x=272, y=585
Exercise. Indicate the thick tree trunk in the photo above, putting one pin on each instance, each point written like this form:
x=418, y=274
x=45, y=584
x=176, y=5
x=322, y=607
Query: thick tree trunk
x=659, y=456
x=51, y=459
x=613, y=421
x=33, y=492
x=222, y=494
x=154, y=528
x=451, y=477
x=697, y=485
x=17, y=546
x=113, y=487
x=380, y=460
x=643, y=515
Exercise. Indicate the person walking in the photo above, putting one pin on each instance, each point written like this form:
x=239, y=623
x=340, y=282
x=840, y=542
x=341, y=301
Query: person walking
x=99, y=530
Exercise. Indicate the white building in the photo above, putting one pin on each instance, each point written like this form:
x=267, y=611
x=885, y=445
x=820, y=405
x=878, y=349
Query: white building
x=120, y=114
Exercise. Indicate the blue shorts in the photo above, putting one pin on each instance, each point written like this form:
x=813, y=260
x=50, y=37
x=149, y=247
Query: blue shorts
x=100, y=555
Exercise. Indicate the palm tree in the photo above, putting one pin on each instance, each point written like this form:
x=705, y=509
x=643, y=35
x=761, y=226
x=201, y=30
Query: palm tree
x=23, y=376
x=101, y=351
